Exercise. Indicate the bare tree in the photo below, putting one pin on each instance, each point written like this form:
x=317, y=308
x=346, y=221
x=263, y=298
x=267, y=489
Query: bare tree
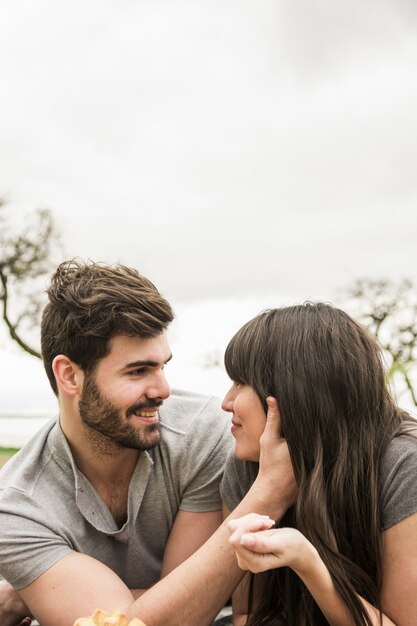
x=389, y=310
x=24, y=259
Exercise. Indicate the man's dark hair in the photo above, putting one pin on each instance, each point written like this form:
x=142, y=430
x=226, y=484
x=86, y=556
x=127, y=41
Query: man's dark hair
x=89, y=304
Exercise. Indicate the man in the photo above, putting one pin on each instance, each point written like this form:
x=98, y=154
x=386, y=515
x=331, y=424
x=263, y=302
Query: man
x=123, y=478
x=124, y=489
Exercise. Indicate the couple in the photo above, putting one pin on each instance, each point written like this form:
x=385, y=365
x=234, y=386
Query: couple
x=116, y=506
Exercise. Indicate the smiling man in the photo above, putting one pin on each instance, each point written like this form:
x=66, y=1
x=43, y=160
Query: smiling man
x=124, y=486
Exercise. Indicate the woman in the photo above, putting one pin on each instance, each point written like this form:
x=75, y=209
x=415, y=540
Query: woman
x=346, y=552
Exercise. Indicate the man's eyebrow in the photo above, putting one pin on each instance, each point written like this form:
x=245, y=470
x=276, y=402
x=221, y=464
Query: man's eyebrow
x=147, y=363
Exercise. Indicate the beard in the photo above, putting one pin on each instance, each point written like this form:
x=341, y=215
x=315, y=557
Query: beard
x=105, y=426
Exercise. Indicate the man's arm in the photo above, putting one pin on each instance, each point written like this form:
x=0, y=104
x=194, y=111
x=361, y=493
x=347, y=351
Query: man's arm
x=240, y=596
x=73, y=587
x=83, y=581
x=196, y=591
x=188, y=533
x=191, y=594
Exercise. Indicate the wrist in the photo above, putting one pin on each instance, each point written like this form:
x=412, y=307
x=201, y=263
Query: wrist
x=268, y=498
x=308, y=561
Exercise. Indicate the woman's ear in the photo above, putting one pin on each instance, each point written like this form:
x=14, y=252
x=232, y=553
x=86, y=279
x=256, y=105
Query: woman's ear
x=69, y=377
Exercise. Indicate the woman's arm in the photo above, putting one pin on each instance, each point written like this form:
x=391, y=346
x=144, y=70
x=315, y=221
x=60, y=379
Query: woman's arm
x=261, y=550
x=399, y=564
x=316, y=577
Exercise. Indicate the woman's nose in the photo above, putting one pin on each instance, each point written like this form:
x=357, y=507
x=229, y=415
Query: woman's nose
x=227, y=404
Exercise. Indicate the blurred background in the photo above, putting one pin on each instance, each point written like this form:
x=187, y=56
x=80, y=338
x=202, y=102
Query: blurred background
x=239, y=154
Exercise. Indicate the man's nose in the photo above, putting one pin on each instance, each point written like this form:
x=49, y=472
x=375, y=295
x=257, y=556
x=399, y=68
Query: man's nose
x=159, y=387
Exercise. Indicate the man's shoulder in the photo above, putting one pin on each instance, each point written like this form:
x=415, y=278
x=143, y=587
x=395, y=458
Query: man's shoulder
x=21, y=471
x=185, y=410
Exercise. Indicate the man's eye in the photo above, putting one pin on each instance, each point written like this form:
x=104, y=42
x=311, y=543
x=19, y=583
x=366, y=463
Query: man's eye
x=139, y=371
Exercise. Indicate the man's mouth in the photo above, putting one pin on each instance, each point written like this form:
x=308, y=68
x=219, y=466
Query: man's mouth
x=145, y=417
x=145, y=413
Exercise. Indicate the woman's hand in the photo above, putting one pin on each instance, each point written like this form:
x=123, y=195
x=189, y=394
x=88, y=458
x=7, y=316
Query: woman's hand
x=259, y=548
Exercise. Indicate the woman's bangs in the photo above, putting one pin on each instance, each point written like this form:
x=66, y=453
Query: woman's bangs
x=236, y=360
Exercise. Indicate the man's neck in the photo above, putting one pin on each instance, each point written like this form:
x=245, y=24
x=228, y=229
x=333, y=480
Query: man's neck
x=101, y=462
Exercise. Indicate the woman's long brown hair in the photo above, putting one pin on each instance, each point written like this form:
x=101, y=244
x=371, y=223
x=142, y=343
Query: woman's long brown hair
x=327, y=373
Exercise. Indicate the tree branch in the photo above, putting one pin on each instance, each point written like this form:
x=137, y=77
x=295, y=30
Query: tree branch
x=409, y=385
x=10, y=326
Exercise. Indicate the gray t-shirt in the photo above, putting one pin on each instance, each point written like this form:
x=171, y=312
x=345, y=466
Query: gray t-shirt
x=398, y=480
x=48, y=508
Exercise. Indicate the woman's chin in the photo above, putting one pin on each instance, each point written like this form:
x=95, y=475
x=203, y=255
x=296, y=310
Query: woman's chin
x=244, y=454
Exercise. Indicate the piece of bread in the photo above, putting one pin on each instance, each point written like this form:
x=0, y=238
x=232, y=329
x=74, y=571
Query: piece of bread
x=102, y=618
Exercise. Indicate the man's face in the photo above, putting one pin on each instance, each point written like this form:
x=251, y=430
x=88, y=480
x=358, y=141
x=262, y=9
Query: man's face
x=119, y=403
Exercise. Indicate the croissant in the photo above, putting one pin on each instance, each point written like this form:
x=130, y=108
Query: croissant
x=102, y=618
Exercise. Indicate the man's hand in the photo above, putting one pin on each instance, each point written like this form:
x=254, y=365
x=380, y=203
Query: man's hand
x=13, y=611
x=276, y=474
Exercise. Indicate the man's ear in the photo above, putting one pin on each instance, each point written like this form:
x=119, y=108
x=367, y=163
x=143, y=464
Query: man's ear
x=69, y=377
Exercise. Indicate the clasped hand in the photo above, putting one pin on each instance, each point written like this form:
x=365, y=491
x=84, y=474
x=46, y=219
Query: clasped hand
x=259, y=547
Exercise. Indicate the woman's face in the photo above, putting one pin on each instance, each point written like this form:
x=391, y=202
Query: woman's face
x=248, y=420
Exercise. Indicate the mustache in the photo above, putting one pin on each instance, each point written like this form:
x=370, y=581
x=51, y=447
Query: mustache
x=143, y=406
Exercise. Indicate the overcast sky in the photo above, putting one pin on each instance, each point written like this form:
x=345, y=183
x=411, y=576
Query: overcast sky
x=222, y=147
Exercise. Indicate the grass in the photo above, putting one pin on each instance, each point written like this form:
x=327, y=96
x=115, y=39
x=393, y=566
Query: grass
x=6, y=453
